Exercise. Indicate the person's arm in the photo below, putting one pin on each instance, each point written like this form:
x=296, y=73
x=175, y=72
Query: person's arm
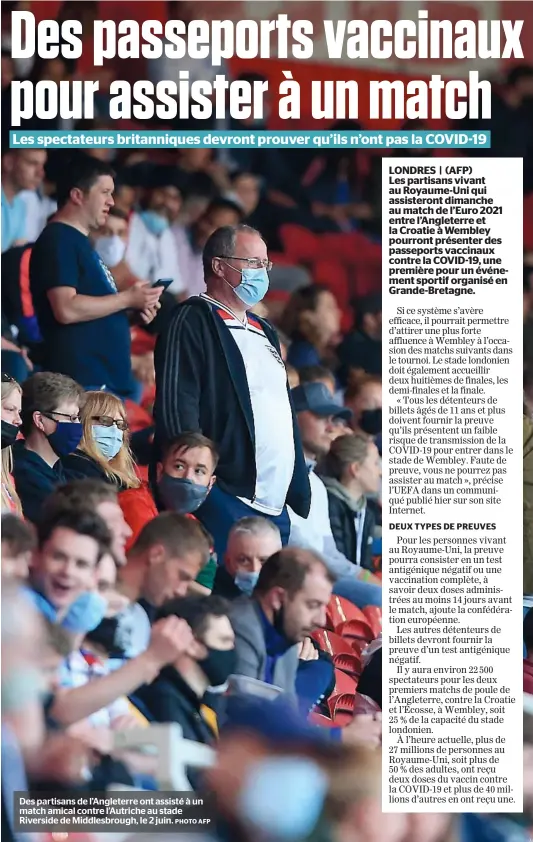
x=180, y=368
x=70, y=308
x=248, y=661
x=170, y=638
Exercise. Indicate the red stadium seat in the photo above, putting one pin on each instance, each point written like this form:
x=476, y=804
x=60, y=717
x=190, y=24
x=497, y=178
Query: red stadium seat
x=358, y=629
x=341, y=708
x=373, y=616
x=342, y=653
x=364, y=704
x=344, y=683
x=300, y=245
x=340, y=610
x=321, y=720
x=333, y=275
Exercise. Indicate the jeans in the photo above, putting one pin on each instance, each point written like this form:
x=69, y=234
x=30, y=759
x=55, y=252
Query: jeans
x=360, y=593
x=221, y=510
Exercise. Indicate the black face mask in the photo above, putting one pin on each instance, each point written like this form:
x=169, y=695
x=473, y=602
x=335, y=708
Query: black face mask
x=218, y=665
x=370, y=421
x=105, y=634
x=9, y=434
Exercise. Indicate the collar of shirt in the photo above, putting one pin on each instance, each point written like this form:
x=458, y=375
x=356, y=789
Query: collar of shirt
x=275, y=642
x=216, y=303
x=311, y=464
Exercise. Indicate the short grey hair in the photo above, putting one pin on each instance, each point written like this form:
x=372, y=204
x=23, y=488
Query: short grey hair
x=221, y=243
x=255, y=525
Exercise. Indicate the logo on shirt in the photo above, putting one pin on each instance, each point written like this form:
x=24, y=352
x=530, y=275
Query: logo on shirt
x=275, y=354
x=109, y=277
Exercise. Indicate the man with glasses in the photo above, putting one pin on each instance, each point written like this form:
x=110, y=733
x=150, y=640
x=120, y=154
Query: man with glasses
x=51, y=428
x=219, y=372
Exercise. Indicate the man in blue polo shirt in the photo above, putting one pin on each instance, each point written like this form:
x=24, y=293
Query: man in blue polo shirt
x=82, y=316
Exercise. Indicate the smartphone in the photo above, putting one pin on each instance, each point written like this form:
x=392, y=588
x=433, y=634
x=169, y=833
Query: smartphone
x=163, y=282
x=244, y=685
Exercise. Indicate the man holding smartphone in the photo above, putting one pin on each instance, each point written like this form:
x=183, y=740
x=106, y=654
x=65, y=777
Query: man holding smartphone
x=82, y=316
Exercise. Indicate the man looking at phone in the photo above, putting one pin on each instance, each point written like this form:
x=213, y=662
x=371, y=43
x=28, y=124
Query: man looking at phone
x=82, y=316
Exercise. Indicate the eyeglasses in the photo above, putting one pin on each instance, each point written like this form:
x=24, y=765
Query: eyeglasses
x=252, y=262
x=74, y=419
x=107, y=421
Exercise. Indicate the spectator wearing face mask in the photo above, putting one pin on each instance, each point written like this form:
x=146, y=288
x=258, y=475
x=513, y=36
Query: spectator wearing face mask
x=187, y=477
x=289, y=603
x=316, y=410
x=11, y=406
x=251, y=542
x=178, y=694
x=361, y=348
x=351, y=471
x=219, y=371
x=151, y=252
x=18, y=544
x=111, y=239
x=51, y=427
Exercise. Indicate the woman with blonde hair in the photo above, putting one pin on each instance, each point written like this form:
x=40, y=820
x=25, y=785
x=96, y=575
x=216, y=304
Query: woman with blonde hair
x=104, y=451
x=11, y=402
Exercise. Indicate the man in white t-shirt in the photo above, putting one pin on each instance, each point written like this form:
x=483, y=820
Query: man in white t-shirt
x=219, y=372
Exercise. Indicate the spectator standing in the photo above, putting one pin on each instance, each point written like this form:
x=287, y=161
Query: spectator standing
x=288, y=604
x=11, y=420
x=316, y=412
x=352, y=469
x=191, y=240
x=151, y=252
x=51, y=427
x=251, y=542
x=22, y=169
x=219, y=371
x=81, y=314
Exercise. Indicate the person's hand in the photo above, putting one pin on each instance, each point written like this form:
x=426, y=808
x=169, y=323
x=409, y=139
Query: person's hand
x=150, y=313
x=367, y=576
x=62, y=758
x=142, y=296
x=126, y=722
x=98, y=739
x=364, y=729
x=25, y=357
x=307, y=651
x=171, y=637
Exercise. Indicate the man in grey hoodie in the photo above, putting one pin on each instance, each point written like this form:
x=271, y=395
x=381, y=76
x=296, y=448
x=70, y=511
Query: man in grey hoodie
x=316, y=411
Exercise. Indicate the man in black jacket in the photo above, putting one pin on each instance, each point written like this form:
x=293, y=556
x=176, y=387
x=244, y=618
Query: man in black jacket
x=219, y=371
x=179, y=693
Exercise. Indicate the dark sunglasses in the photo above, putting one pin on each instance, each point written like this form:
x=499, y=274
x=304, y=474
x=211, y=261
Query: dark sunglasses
x=107, y=421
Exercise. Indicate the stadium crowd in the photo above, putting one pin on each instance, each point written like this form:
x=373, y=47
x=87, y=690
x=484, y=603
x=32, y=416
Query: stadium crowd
x=191, y=478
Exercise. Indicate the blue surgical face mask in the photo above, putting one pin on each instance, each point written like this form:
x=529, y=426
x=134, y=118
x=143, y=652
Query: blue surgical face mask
x=246, y=580
x=253, y=286
x=109, y=440
x=181, y=495
x=155, y=222
x=295, y=785
x=66, y=437
x=86, y=613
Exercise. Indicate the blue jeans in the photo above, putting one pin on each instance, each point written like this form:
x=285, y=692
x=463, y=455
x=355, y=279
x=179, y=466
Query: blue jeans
x=360, y=593
x=221, y=510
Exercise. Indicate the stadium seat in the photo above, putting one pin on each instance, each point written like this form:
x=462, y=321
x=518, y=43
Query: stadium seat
x=364, y=704
x=341, y=651
x=343, y=683
x=340, y=610
x=355, y=629
x=374, y=618
x=300, y=245
x=341, y=708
